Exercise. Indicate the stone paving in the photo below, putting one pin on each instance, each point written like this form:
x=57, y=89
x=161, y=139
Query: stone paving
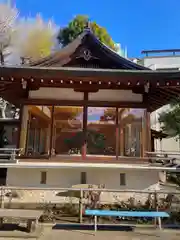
x=137, y=234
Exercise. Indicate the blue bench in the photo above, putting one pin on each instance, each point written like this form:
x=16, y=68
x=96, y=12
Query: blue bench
x=110, y=213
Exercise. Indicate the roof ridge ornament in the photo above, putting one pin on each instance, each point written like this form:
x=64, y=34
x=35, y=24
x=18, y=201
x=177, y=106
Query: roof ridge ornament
x=88, y=26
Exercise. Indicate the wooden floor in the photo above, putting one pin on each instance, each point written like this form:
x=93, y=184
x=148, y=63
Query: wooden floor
x=89, y=159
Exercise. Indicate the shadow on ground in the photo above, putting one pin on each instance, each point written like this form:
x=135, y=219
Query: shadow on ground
x=7, y=227
x=111, y=227
x=17, y=231
x=91, y=227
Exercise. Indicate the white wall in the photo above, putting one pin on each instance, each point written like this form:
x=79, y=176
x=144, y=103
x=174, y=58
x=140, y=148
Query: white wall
x=56, y=93
x=70, y=94
x=115, y=95
x=135, y=179
x=162, y=62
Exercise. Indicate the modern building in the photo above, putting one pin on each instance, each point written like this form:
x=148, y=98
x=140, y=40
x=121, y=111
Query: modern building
x=161, y=60
x=85, y=118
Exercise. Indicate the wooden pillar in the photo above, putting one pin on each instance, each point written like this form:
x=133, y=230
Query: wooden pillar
x=24, y=129
x=146, y=133
x=141, y=141
x=19, y=126
x=47, y=132
x=143, y=135
x=148, y=126
x=121, y=133
x=117, y=134
x=122, y=143
x=51, y=132
x=85, y=116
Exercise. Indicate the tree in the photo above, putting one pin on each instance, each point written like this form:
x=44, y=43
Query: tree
x=35, y=38
x=170, y=123
x=8, y=16
x=76, y=27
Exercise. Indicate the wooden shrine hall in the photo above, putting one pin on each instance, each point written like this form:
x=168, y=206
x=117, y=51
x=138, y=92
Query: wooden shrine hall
x=86, y=103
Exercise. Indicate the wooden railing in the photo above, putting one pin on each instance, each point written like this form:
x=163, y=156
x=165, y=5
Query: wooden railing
x=9, y=154
x=164, y=157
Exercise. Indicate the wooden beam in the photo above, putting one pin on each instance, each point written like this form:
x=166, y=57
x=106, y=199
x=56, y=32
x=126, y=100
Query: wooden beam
x=84, y=90
x=164, y=93
x=85, y=120
x=49, y=102
x=157, y=100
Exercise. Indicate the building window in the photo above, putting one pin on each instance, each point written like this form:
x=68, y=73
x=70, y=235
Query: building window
x=101, y=131
x=67, y=130
x=130, y=131
x=122, y=179
x=43, y=177
x=37, y=120
x=83, y=178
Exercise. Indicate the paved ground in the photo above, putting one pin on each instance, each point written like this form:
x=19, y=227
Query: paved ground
x=106, y=235
x=138, y=234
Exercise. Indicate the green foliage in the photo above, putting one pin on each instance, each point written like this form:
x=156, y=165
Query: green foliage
x=170, y=120
x=76, y=27
x=174, y=178
x=95, y=141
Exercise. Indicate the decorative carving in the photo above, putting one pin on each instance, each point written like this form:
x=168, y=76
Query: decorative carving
x=86, y=54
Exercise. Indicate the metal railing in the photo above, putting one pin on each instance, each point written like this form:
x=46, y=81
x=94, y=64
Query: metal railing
x=9, y=154
x=68, y=204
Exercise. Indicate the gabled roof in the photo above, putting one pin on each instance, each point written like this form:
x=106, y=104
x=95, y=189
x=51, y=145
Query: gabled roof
x=88, y=48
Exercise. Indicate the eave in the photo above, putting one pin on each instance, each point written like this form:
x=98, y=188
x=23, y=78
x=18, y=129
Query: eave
x=163, y=86
x=155, y=78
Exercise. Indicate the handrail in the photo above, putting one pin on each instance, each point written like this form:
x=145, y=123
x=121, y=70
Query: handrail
x=10, y=149
x=13, y=152
x=163, y=153
x=54, y=188
x=173, y=51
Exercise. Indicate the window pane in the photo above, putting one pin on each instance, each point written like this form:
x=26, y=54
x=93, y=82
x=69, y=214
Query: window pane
x=130, y=131
x=101, y=131
x=68, y=130
x=37, y=121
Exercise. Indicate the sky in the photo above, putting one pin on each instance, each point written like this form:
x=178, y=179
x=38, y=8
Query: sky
x=135, y=24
